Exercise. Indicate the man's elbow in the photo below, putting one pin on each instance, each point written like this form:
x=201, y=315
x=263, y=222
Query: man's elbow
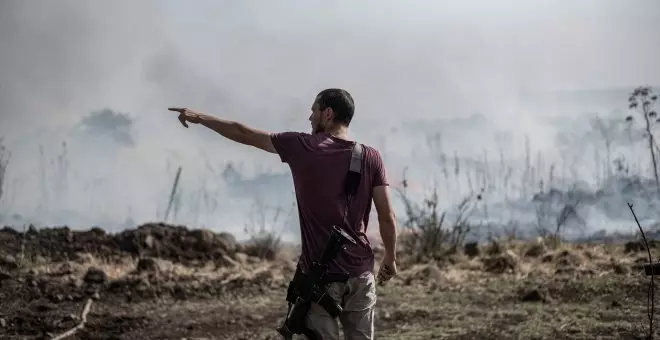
x=242, y=133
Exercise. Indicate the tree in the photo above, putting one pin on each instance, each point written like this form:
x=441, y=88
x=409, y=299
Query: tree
x=642, y=100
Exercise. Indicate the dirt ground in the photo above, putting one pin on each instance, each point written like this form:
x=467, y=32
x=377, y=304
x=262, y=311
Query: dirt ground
x=165, y=282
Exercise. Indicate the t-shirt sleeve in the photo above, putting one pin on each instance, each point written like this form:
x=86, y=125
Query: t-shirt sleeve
x=287, y=144
x=379, y=172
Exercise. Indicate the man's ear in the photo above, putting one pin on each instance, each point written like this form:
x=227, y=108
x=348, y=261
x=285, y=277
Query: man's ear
x=329, y=114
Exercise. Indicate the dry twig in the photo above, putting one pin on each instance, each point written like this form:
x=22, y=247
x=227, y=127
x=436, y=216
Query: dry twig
x=81, y=325
x=173, y=193
x=651, y=294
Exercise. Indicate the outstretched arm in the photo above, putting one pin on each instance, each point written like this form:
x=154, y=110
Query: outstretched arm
x=235, y=131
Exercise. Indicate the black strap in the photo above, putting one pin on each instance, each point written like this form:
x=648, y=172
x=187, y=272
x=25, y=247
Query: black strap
x=356, y=158
x=353, y=176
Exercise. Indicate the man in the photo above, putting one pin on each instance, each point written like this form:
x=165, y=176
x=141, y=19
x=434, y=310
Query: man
x=319, y=163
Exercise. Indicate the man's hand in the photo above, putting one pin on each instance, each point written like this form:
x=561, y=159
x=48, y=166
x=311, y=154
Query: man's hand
x=387, y=270
x=187, y=115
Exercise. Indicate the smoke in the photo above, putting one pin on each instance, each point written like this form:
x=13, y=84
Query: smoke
x=484, y=76
x=110, y=124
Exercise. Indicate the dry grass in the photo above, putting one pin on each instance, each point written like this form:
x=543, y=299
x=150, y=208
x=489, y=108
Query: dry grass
x=592, y=298
x=556, y=291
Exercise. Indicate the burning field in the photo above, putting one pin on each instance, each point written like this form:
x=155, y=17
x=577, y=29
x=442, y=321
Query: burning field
x=167, y=282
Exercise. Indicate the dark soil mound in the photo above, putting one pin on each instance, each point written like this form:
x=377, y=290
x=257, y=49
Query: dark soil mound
x=174, y=243
x=57, y=244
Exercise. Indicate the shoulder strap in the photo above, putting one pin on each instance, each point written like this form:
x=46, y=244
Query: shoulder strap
x=354, y=170
x=352, y=180
x=356, y=158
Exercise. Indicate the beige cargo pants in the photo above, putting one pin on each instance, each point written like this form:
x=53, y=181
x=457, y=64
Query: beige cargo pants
x=358, y=299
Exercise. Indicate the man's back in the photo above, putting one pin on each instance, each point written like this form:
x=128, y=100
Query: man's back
x=319, y=164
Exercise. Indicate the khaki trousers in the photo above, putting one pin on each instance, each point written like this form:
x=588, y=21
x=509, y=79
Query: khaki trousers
x=358, y=298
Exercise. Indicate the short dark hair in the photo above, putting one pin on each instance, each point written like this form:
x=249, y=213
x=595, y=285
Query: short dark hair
x=340, y=101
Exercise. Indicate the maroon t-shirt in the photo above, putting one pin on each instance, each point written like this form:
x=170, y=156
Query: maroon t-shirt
x=319, y=164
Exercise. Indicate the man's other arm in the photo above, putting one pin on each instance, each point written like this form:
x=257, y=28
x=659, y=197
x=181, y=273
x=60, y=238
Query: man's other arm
x=386, y=219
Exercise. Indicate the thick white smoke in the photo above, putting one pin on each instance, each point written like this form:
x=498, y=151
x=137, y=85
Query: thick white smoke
x=483, y=76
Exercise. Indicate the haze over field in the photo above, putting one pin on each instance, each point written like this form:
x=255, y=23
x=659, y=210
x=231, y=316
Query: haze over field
x=472, y=80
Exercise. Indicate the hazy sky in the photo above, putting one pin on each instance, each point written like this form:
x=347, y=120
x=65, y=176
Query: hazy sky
x=263, y=62
x=424, y=58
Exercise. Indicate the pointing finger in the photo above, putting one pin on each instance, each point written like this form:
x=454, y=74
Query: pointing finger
x=177, y=109
x=182, y=119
